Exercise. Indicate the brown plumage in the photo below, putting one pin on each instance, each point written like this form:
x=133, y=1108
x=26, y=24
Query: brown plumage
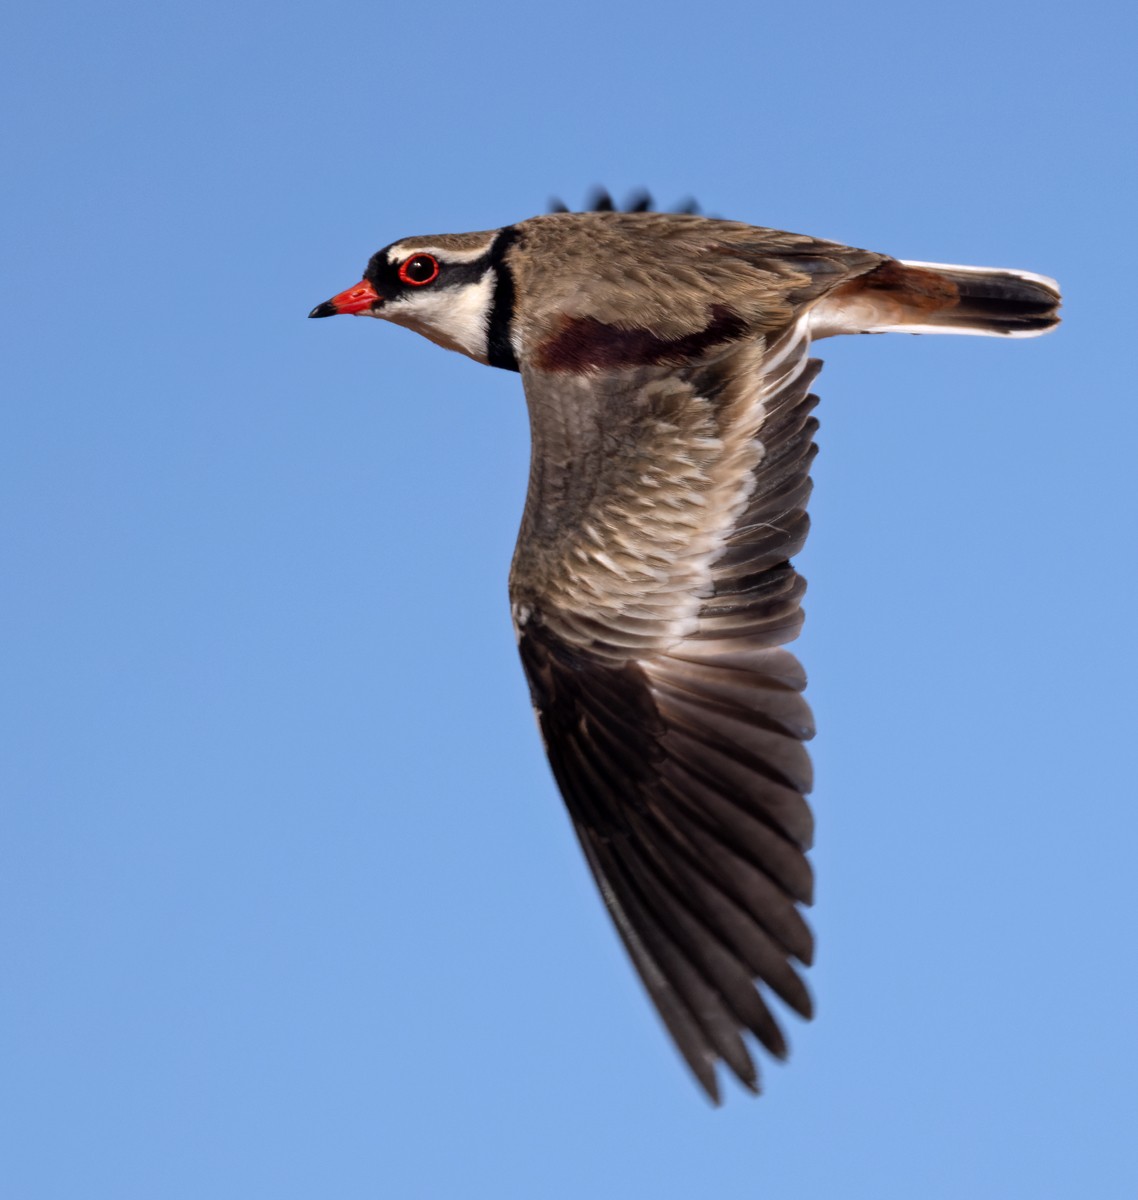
x=665, y=360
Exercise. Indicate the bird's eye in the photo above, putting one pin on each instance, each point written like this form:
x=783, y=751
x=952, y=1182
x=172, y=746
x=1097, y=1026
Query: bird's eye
x=419, y=269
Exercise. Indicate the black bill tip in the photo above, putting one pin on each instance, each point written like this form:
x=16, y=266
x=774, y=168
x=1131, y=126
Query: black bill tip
x=327, y=309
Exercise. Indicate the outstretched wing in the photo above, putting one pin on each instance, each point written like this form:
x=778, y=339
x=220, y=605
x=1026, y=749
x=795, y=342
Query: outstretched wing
x=652, y=593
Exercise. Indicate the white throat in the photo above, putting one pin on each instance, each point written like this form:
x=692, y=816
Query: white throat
x=455, y=318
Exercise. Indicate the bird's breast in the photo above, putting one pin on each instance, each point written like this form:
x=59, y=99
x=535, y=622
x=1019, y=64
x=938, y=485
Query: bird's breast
x=581, y=344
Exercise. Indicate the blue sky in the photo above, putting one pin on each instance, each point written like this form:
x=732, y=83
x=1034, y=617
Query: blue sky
x=290, y=907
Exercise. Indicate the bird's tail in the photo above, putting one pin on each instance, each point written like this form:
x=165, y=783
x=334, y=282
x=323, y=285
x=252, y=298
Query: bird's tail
x=919, y=297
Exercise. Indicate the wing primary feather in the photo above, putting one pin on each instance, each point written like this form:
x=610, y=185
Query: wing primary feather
x=779, y=759
x=751, y=834
x=690, y=877
x=725, y=867
x=779, y=806
x=699, y=944
x=706, y=1010
x=601, y=201
x=754, y=951
x=719, y=1024
x=686, y=1032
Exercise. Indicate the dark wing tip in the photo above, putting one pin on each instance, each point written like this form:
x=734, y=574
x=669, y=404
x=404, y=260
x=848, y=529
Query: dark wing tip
x=601, y=201
x=674, y=774
x=639, y=201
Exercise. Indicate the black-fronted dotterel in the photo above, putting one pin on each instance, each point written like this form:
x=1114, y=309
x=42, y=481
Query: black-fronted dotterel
x=665, y=361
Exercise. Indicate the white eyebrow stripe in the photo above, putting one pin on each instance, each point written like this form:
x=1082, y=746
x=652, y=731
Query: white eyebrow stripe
x=397, y=253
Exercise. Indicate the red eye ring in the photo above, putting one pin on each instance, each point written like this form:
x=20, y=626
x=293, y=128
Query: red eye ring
x=419, y=270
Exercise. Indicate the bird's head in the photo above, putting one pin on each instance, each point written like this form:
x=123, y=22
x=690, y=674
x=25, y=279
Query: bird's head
x=445, y=287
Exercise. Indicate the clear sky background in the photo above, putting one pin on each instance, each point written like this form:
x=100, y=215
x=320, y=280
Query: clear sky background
x=290, y=905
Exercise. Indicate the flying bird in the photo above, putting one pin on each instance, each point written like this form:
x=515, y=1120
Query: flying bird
x=666, y=364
